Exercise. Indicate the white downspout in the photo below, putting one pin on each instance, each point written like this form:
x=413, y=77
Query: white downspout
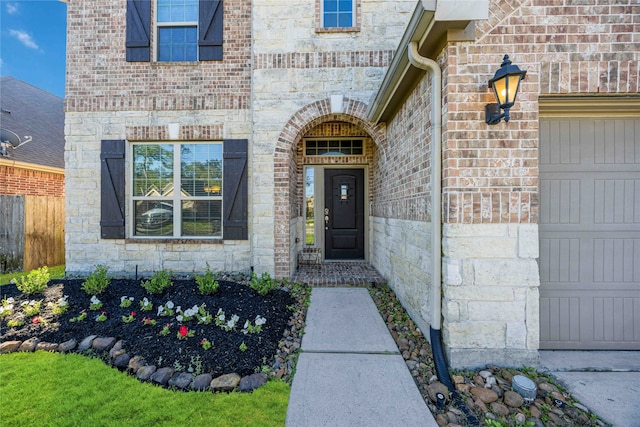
x=436, y=176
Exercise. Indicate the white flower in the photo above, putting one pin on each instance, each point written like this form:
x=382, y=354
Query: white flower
x=95, y=300
x=235, y=318
x=10, y=300
x=231, y=324
x=62, y=302
x=260, y=320
x=179, y=318
x=170, y=305
x=246, y=325
x=160, y=310
x=219, y=311
x=123, y=298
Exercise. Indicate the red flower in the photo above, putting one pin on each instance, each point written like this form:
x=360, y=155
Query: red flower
x=183, y=331
x=133, y=314
x=35, y=320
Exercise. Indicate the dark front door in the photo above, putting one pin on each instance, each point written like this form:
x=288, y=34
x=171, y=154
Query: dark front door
x=344, y=213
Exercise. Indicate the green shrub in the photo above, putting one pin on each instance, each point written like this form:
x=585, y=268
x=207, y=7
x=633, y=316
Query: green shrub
x=264, y=284
x=160, y=281
x=97, y=281
x=207, y=283
x=35, y=282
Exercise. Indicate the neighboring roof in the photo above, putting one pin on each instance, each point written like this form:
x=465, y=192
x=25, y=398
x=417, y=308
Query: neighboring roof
x=432, y=24
x=30, y=111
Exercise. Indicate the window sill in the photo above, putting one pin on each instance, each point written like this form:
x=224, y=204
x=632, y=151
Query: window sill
x=338, y=30
x=175, y=63
x=176, y=241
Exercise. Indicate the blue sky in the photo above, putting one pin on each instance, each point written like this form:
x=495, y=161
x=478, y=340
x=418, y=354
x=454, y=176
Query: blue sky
x=32, y=42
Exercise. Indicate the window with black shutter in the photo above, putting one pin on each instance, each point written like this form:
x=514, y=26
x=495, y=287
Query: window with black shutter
x=189, y=190
x=185, y=30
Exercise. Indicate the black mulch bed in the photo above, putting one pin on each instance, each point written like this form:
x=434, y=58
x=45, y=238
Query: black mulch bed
x=225, y=355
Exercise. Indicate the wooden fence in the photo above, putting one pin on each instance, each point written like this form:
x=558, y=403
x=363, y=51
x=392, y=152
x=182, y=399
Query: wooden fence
x=31, y=232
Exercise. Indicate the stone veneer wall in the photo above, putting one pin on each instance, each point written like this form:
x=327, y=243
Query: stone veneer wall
x=109, y=98
x=296, y=71
x=85, y=248
x=490, y=173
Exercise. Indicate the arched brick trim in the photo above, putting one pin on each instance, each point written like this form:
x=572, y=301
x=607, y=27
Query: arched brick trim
x=301, y=122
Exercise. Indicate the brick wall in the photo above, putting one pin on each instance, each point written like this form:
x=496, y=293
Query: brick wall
x=100, y=79
x=490, y=173
x=31, y=182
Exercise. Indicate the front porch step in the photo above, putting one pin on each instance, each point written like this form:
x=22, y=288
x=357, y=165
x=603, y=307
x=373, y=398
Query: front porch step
x=339, y=273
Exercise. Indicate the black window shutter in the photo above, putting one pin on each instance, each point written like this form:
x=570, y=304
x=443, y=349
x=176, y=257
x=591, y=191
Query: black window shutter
x=235, y=190
x=210, y=28
x=112, y=189
x=138, y=30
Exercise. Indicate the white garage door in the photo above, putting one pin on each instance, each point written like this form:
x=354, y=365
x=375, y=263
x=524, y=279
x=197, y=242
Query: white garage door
x=590, y=233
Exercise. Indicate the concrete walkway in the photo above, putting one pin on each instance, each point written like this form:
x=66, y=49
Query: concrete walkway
x=350, y=372
x=606, y=382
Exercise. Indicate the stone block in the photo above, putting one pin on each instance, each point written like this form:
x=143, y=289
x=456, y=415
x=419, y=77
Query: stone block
x=475, y=335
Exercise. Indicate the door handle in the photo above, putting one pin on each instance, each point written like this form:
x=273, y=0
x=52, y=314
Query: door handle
x=326, y=218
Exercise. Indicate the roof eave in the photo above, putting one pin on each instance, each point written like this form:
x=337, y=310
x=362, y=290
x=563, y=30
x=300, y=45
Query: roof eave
x=432, y=24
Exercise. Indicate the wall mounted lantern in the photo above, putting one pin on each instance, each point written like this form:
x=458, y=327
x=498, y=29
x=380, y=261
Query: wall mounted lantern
x=505, y=84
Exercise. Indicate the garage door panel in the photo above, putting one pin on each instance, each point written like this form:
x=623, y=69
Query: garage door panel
x=561, y=201
x=616, y=201
x=590, y=233
x=615, y=260
x=591, y=320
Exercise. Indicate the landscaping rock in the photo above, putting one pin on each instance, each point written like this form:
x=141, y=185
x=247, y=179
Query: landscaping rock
x=513, y=399
x=162, y=376
x=85, y=344
x=29, y=345
x=47, y=346
x=145, y=372
x=181, y=380
x=121, y=361
x=10, y=346
x=116, y=349
x=67, y=346
x=500, y=409
x=484, y=394
x=226, y=382
x=135, y=363
x=253, y=381
x=103, y=344
x=201, y=382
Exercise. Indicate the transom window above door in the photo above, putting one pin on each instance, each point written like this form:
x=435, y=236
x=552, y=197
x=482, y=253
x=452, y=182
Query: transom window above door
x=334, y=147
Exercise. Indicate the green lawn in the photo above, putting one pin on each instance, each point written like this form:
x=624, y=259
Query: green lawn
x=52, y=389
x=55, y=273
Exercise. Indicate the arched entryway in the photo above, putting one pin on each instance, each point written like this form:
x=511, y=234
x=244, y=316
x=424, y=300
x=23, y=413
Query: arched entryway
x=316, y=120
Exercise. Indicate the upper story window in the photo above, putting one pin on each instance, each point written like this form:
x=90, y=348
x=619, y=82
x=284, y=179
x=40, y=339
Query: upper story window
x=336, y=16
x=177, y=25
x=184, y=30
x=338, y=13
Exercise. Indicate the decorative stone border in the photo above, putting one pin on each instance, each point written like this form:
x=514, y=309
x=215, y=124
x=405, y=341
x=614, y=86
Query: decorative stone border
x=136, y=366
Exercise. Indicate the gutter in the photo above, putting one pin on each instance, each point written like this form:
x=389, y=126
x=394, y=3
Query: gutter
x=435, y=333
